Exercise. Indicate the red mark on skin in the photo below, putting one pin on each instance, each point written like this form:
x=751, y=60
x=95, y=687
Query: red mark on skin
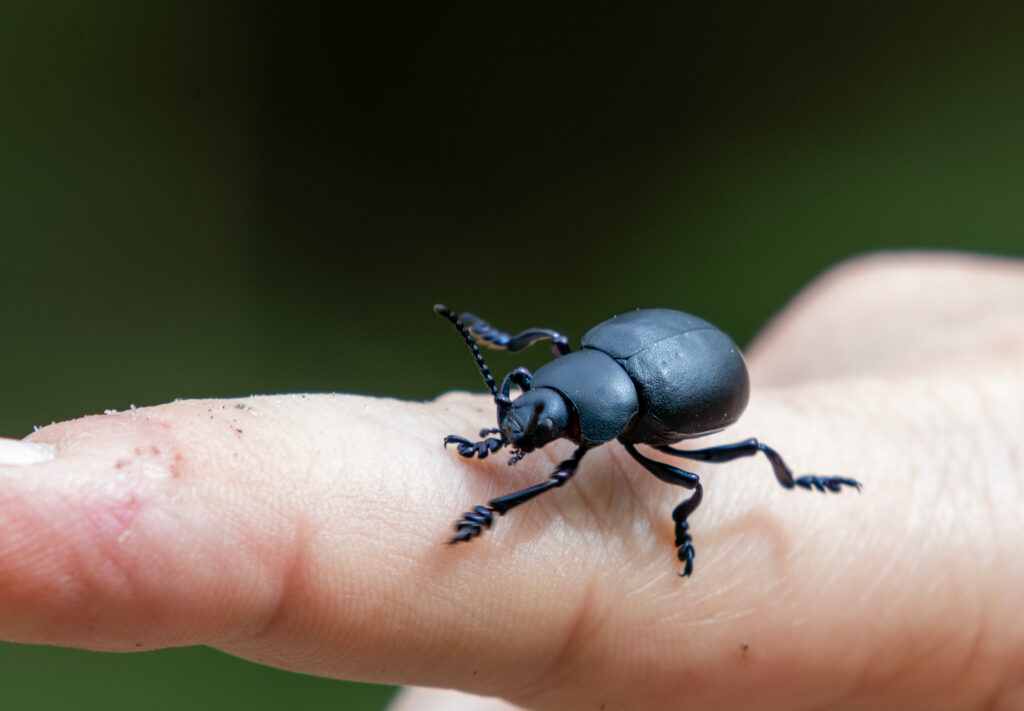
x=119, y=462
x=111, y=516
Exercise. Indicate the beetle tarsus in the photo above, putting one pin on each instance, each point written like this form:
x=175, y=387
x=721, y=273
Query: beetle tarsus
x=686, y=555
x=479, y=449
x=472, y=524
x=825, y=484
x=684, y=542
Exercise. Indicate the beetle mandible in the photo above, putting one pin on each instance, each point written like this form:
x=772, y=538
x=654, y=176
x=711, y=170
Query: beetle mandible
x=651, y=376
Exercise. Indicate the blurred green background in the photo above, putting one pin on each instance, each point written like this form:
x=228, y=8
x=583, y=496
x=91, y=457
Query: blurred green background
x=218, y=199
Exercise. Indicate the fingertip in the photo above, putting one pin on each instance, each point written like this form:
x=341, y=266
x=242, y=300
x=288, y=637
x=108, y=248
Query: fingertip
x=424, y=699
x=16, y=452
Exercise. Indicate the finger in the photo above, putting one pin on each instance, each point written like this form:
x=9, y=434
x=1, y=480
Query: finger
x=895, y=312
x=307, y=533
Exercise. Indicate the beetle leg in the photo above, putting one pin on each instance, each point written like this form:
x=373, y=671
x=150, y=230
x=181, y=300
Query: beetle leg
x=474, y=522
x=475, y=449
x=487, y=335
x=750, y=447
x=687, y=480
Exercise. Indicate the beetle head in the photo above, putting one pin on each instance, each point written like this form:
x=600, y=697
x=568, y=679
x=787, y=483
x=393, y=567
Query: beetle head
x=533, y=419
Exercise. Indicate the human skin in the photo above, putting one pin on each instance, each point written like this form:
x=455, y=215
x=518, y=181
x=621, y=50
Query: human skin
x=306, y=531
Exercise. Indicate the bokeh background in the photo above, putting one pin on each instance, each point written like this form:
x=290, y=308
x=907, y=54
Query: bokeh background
x=219, y=199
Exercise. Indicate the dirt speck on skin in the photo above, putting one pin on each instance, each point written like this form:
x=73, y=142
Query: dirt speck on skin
x=240, y=405
x=238, y=430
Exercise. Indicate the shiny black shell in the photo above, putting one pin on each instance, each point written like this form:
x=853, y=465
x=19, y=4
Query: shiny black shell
x=652, y=376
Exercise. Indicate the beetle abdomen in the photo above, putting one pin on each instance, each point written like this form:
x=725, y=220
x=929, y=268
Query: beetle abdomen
x=690, y=377
x=602, y=392
x=689, y=385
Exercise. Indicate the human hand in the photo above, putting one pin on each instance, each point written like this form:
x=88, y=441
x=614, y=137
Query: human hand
x=305, y=531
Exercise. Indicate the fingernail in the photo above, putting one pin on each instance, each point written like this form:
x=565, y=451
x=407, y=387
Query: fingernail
x=14, y=451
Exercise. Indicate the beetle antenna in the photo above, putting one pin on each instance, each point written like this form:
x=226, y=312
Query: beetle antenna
x=468, y=337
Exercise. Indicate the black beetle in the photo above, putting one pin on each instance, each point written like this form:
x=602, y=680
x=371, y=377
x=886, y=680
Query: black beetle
x=650, y=376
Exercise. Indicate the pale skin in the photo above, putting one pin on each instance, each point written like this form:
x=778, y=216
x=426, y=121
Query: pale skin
x=307, y=531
